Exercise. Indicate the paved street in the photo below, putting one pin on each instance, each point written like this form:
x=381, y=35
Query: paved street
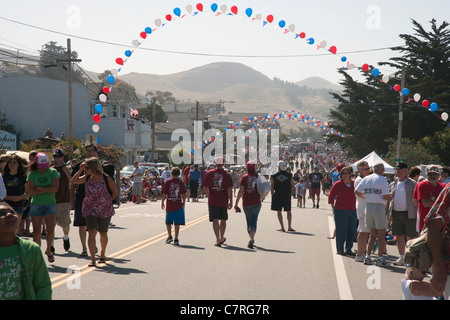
x=284, y=265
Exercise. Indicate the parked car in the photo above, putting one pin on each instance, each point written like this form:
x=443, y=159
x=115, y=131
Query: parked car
x=128, y=170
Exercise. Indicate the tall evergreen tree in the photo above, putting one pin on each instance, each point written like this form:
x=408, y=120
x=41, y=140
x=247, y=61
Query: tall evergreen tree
x=368, y=112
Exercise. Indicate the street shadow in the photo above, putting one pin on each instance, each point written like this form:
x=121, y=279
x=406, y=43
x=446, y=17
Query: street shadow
x=186, y=246
x=272, y=250
x=300, y=233
x=111, y=266
x=234, y=248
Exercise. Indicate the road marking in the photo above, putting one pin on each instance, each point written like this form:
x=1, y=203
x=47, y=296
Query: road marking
x=345, y=292
x=63, y=278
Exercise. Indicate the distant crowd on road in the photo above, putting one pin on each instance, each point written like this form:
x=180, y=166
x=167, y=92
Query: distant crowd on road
x=369, y=207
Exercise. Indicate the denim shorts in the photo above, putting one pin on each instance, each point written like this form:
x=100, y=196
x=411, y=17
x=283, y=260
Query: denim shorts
x=251, y=215
x=42, y=210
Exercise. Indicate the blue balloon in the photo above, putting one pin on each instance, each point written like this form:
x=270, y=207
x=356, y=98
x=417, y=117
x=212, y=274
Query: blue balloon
x=248, y=12
x=343, y=59
x=148, y=30
x=282, y=23
x=311, y=40
x=214, y=7
x=128, y=53
x=177, y=11
x=99, y=108
x=110, y=79
x=375, y=72
x=98, y=140
x=433, y=106
x=405, y=91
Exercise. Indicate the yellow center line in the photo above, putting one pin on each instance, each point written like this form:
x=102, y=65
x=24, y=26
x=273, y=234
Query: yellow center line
x=124, y=252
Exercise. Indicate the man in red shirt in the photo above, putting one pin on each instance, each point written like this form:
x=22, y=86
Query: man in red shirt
x=218, y=184
x=174, y=191
x=426, y=193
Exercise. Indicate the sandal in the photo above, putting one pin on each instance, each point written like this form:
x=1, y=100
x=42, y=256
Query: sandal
x=83, y=254
x=102, y=260
x=51, y=258
x=92, y=264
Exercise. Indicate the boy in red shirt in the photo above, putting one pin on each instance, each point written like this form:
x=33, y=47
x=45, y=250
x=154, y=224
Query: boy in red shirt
x=174, y=193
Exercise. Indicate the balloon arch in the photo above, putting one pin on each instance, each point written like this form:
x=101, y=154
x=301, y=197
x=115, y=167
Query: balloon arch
x=286, y=29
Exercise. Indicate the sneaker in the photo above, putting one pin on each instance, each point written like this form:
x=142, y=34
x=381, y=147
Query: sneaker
x=314, y=205
x=66, y=244
x=381, y=262
x=250, y=244
x=317, y=206
x=350, y=254
x=169, y=239
x=359, y=258
x=176, y=242
x=367, y=260
x=399, y=262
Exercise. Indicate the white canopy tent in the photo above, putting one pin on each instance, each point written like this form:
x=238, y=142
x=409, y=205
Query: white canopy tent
x=372, y=159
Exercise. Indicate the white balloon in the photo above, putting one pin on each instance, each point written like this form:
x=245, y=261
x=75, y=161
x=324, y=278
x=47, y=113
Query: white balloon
x=224, y=8
x=158, y=22
x=323, y=43
x=258, y=16
x=350, y=66
x=102, y=98
x=292, y=27
x=95, y=128
x=135, y=43
x=385, y=79
x=444, y=116
x=416, y=97
x=189, y=8
x=114, y=72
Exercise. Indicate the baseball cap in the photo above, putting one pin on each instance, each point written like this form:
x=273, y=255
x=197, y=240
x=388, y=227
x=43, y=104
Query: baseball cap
x=42, y=160
x=251, y=165
x=340, y=166
x=432, y=168
x=58, y=153
x=401, y=165
x=282, y=165
x=219, y=160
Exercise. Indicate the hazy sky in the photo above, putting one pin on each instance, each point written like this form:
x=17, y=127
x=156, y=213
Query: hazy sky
x=350, y=25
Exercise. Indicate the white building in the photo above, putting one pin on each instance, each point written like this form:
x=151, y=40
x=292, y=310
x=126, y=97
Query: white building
x=33, y=105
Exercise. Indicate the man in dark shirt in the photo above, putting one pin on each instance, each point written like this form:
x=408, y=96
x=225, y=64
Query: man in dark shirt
x=316, y=181
x=282, y=186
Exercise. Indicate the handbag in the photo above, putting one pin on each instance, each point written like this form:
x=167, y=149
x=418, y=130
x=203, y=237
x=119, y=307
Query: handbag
x=263, y=186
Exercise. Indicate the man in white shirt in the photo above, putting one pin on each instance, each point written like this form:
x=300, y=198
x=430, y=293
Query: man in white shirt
x=375, y=189
x=166, y=175
x=363, y=231
x=403, y=212
x=137, y=176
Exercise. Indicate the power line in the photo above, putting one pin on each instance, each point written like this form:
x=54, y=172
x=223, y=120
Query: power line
x=191, y=53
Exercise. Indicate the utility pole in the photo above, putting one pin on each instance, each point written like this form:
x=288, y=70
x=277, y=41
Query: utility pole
x=69, y=61
x=400, y=115
x=153, y=129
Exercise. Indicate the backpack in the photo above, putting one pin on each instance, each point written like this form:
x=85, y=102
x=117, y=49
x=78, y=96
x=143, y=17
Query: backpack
x=417, y=252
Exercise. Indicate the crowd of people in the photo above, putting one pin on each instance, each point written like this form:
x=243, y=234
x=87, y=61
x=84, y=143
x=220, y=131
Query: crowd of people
x=365, y=206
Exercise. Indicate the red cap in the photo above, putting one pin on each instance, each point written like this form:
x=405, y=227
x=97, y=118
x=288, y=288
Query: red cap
x=251, y=165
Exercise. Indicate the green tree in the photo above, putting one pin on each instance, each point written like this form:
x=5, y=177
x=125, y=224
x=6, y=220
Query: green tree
x=413, y=152
x=49, y=67
x=438, y=144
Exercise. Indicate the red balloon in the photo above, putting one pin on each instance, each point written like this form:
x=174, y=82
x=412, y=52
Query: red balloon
x=212, y=138
x=333, y=49
x=302, y=35
x=270, y=18
x=168, y=17
x=425, y=103
x=106, y=90
x=96, y=118
x=199, y=7
x=119, y=61
x=234, y=9
x=365, y=67
x=143, y=34
x=397, y=87
x=246, y=118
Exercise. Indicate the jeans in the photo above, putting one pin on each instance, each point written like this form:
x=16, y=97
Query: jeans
x=251, y=214
x=345, y=221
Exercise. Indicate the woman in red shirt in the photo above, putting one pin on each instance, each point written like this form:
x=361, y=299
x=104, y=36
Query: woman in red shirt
x=251, y=200
x=342, y=199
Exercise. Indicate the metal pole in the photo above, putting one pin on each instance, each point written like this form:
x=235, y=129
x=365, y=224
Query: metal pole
x=400, y=114
x=69, y=73
x=153, y=129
